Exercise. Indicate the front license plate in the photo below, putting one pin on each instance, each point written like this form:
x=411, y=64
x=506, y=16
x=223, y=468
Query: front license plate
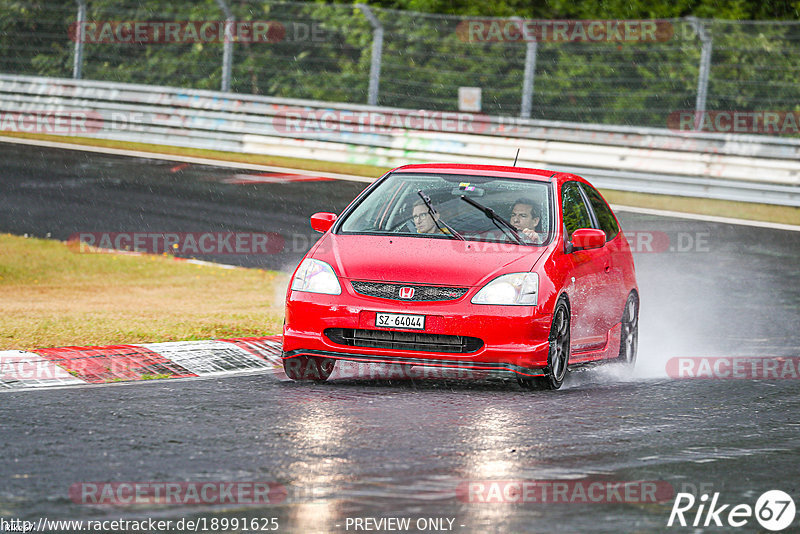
x=399, y=320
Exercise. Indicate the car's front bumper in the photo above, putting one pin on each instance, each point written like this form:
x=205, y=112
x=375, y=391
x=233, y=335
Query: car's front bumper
x=515, y=338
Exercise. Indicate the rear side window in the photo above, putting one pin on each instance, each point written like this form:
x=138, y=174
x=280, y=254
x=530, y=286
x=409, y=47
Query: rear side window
x=605, y=217
x=576, y=215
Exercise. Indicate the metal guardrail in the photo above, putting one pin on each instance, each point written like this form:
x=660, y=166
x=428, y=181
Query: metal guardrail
x=731, y=167
x=612, y=71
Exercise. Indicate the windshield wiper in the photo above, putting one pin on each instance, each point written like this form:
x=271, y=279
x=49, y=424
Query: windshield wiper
x=432, y=211
x=506, y=227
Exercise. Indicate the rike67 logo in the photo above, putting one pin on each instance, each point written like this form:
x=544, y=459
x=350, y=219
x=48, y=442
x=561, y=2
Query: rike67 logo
x=774, y=511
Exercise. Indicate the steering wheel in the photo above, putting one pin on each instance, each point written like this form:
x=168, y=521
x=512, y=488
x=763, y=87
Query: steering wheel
x=405, y=227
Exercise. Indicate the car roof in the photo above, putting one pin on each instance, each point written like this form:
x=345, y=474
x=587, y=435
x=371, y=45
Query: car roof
x=498, y=171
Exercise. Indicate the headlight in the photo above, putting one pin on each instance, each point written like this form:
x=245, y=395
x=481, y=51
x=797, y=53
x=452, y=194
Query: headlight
x=516, y=289
x=316, y=276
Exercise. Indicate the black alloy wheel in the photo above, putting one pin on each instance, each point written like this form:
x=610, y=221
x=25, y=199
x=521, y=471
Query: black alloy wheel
x=558, y=356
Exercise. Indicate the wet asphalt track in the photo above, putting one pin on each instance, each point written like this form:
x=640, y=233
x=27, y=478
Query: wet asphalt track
x=357, y=448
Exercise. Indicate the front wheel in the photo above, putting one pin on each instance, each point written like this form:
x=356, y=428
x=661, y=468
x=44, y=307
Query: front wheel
x=309, y=368
x=557, y=357
x=629, y=332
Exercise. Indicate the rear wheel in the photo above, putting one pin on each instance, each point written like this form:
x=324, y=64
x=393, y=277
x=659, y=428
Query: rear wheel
x=557, y=357
x=309, y=368
x=629, y=332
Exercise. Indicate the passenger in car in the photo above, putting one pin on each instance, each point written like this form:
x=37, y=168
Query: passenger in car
x=423, y=221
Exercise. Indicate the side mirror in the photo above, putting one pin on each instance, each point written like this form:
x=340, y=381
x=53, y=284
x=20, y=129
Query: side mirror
x=321, y=222
x=587, y=238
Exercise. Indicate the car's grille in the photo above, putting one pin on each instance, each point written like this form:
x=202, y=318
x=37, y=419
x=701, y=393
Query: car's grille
x=421, y=293
x=414, y=341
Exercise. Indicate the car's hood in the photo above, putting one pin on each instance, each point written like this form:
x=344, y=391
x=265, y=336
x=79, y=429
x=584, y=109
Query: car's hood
x=423, y=260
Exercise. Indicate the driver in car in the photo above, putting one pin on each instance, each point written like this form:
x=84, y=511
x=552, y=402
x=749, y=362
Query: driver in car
x=525, y=218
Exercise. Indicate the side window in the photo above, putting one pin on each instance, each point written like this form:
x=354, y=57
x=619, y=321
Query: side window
x=574, y=211
x=605, y=217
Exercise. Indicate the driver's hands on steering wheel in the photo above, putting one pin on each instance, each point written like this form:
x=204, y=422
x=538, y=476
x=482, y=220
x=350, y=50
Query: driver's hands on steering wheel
x=531, y=234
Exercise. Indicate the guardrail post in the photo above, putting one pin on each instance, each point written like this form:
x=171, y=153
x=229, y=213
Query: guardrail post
x=705, y=69
x=377, y=52
x=227, y=47
x=77, y=60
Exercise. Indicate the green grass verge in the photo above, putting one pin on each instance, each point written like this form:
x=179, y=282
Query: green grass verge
x=52, y=295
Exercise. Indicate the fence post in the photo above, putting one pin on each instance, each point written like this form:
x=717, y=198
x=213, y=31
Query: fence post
x=377, y=52
x=77, y=60
x=528, y=78
x=703, y=74
x=227, y=47
x=531, y=49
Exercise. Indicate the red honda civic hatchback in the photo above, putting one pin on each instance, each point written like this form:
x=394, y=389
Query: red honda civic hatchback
x=466, y=266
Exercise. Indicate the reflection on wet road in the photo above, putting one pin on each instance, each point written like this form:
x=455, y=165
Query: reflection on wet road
x=356, y=448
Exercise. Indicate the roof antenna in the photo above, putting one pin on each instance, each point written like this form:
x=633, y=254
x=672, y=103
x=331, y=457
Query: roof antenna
x=515, y=159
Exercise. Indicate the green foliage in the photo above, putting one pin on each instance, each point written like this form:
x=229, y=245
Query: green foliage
x=325, y=52
x=605, y=9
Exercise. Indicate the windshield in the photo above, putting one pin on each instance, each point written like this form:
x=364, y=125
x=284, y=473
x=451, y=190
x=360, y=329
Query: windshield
x=430, y=206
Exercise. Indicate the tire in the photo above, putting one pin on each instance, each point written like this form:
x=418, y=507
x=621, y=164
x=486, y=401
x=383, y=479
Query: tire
x=629, y=332
x=558, y=355
x=313, y=368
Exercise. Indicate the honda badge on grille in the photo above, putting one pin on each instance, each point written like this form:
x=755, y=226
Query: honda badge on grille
x=406, y=292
